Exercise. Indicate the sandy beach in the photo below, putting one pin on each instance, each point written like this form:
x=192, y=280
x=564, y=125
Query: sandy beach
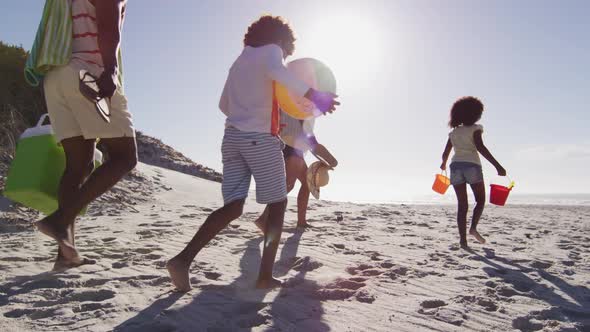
x=358, y=268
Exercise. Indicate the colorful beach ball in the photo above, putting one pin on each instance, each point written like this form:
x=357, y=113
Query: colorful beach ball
x=317, y=75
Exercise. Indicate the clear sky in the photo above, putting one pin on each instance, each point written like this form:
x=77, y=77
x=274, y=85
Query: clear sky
x=399, y=64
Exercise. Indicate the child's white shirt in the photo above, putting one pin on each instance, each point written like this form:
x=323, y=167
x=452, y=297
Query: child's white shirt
x=464, y=145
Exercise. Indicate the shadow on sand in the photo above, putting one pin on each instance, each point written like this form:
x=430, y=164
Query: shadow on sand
x=238, y=306
x=573, y=306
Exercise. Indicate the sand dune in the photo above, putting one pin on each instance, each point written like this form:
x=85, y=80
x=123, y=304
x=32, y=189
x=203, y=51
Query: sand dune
x=359, y=268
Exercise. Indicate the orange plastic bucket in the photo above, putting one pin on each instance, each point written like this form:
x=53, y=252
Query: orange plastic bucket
x=499, y=194
x=441, y=183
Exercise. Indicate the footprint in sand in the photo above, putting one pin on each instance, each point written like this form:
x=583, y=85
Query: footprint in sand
x=85, y=307
x=538, y=264
x=361, y=238
x=365, y=297
x=33, y=314
x=142, y=250
x=305, y=264
x=568, y=263
x=338, y=246
x=119, y=265
x=373, y=255
x=574, y=255
x=486, y=303
x=89, y=295
x=52, y=308
x=189, y=216
x=342, y=289
x=165, y=223
x=212, y=275
x=431, y=304
x=437, y=308
x=145, y=234
x=554, y=319
x=364, y=270
x=151, y=257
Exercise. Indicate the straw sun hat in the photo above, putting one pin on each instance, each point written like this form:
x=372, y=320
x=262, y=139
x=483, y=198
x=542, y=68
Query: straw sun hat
x=317, y=176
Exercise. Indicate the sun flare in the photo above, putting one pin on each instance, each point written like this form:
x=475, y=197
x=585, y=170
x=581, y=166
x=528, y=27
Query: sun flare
x=349, y=43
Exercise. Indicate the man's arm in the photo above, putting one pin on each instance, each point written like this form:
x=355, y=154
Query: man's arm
x=276, y=70
x=108, y=19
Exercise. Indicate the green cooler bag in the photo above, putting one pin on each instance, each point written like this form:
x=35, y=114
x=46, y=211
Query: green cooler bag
x=35, y=173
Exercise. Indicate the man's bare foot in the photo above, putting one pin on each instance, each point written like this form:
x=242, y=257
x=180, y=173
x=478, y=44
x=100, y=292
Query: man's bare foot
x=261, y=224
x=477, y=236
x=268, y=283
x=49, y=227
x=464, y=245
x=178, y=271
x=63, y=264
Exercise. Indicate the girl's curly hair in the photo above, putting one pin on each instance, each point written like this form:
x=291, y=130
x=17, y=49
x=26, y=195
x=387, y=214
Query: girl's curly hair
x=271, y=30
x=465, y=111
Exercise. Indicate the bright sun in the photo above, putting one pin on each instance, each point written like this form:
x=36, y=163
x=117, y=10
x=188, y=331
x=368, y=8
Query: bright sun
x=351, y=44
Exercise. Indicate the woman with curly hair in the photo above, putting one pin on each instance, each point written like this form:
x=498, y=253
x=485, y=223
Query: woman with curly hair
x=251, y=146
x=466, y=140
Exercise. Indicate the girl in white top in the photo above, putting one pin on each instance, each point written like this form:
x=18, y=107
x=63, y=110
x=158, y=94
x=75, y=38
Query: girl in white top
x=466, y=140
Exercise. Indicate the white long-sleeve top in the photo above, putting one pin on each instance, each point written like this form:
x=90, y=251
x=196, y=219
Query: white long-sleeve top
x=247, y=95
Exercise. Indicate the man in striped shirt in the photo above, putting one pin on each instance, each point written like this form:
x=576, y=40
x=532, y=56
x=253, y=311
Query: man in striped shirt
x=77, y=124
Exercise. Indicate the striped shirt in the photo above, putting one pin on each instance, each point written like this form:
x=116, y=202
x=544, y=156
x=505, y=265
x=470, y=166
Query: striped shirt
x=297, y=133
x=85, y=51
x=53, y=46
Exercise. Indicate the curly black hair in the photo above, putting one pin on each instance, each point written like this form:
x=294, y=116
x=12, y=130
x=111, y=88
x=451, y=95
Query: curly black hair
x=465, y=111
x=270, y=29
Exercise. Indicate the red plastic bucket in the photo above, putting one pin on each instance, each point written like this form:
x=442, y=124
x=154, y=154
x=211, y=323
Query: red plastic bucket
x=499, y=194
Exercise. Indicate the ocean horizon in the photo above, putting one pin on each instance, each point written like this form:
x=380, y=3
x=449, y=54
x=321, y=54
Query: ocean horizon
x=513, y=199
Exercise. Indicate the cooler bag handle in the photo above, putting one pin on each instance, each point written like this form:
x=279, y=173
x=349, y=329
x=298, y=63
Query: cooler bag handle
x=42, y=119
x=39, y=129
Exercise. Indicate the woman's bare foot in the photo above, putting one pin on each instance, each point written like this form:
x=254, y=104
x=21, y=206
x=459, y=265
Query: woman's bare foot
x=50, y=227
x=178, y=271
x=268, y=283
x=477, y=236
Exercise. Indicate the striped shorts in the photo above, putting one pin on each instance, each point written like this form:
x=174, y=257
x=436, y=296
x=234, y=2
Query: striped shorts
x=247, y=154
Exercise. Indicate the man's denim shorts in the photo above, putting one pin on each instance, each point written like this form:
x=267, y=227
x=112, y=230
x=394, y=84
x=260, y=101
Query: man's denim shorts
x=465, y=172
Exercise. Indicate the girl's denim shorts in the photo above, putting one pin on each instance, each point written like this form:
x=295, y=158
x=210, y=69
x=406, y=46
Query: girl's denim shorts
x=465, y=172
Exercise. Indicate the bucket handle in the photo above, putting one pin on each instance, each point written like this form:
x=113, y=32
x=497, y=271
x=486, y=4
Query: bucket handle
x=510, y=182
x=42, y=119
x=444, y=172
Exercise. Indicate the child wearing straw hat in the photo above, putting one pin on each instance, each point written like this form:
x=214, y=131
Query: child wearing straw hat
x=299, y=138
